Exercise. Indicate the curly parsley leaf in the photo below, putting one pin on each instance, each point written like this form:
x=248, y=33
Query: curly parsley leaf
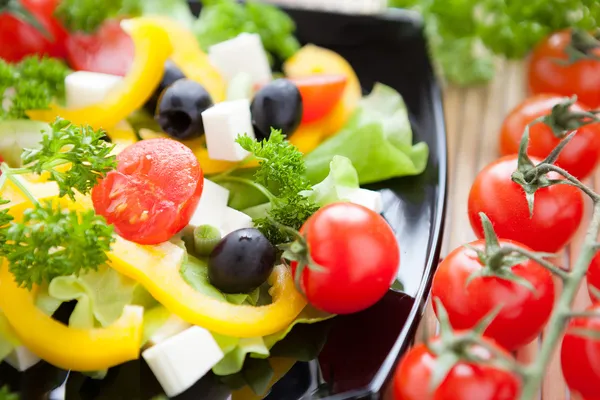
x=40, y=80
x=82, y=147
x=87, y=15
x=281, y=169
x=52, y=242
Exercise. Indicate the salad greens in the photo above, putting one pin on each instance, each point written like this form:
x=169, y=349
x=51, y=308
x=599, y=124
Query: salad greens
x=377, y=140
x=88, y=15
x=221, y=20
x=341, y=180
x=5, y=394
x=464, y=35
x=31, y=84
x=8, y=339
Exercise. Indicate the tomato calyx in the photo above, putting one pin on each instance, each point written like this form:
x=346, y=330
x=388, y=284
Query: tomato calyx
x=15, y=8
x=563, y=120
x=583, y=46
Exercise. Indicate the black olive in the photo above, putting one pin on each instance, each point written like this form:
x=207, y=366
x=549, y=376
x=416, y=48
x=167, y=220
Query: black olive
x=279, y=105
x=241, y=262
x=171, y=74
x=180, y=107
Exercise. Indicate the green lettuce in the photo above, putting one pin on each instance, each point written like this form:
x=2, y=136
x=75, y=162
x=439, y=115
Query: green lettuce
x=342, y=180
x=377, y=139
x=8, y=338
x=176, y=9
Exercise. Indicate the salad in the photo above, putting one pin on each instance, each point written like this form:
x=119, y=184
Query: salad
x=194, y=206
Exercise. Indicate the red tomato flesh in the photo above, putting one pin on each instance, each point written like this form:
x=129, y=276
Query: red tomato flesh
x=579, y=157
x=110, y=50
x=320, y=93
x=465, y=381
x=557, y=212
x=580, y=358
x=581, y=78
x=468, y=304
x=359, y=255
x=593, y=277
x=153, y=193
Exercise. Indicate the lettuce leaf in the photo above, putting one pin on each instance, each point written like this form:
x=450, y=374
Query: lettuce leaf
x=342, y=180
x=377, y=139
x=176, y=9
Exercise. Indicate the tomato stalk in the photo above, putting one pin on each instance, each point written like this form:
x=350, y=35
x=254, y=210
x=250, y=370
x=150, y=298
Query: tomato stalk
x=562, y=119
x=582, y=47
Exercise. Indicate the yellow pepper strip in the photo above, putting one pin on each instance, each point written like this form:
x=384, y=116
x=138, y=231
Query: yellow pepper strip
x=152, y=48
x=280, y=367
x=64, y=347
x=190, y=58
x=307, y=137
x=157, y=269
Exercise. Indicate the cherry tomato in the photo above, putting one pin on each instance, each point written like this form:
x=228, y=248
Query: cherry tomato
x=153, y=193
x=581, y=78
x=468, y=304
x=320, y=93
x=19, y=39
x=557, y=211
x=579, y=157
x=465, y=381
x=580, y=357
x=593, y=277
x=358, y=254
x=109, y=50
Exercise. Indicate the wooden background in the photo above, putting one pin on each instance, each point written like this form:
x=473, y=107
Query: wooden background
x=473, y=119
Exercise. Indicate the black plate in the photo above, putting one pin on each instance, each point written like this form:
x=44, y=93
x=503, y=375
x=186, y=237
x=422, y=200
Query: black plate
x=362, y=349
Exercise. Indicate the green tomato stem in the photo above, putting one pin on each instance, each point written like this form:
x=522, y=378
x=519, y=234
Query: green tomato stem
x=545, y=168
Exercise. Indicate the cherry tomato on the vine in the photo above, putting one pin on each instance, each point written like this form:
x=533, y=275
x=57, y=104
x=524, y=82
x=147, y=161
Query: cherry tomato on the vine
x=320, y=93
x=467, y=304
x=593, y=277
x=546, y=75
x=465, y=381
x=579, y=157
x=153, y=193
x=557, y=210
x=109, y=50
x=580, y=357
x=358, y=254
x=19, y=38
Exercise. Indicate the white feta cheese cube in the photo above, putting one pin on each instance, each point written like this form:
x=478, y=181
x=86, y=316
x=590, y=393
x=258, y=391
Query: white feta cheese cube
x=222, y=124
x=181, y=360
x=22, y=359
x=243, y=53
x=367, y=198
x=173, y=326
x=83, y=88
x=235, y=220
x=211, y=207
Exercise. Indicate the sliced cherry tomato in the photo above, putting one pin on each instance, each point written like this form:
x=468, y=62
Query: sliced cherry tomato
x=579, y=157
x=19, y=38
x=580, y=357
x=557, y=211
x=109, y=50
x=320, y=93
x=358, y=255
x=153, y=192
x=465, y=381
x=593, y=277
x=581, y=78
x=467, y=304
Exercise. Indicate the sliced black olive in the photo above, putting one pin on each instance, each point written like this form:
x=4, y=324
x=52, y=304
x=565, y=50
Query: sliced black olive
x=180, y=107
x=171, y=74
x=279, y=105
x=241, y=262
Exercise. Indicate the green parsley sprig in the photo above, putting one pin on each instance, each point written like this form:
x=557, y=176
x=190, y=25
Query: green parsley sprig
x=280, y=177
x=31, y=84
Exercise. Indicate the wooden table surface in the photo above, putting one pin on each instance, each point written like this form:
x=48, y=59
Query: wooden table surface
x=473, y=120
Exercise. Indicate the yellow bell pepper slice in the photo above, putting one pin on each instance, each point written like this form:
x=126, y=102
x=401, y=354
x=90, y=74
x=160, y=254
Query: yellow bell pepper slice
x=157, y=269
x=64, y=347
x=307, y=137
x=312, y=60
x=191, y=60
x=152, y=48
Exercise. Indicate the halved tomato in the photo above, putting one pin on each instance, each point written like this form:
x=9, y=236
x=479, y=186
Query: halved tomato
x=320, y=93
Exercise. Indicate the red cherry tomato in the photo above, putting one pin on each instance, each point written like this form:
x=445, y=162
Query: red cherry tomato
x=580, y=358
x=153, y=193
x=557, y=211
x=579, y=157
x=110, y=50
x=19, y=39
x=465, y=381
x=468, y=304
x=581, y=78
x=593, y=277
x=359, y=255
x=320, y=93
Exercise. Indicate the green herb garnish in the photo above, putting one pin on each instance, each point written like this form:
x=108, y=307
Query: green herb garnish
x=87, y=15
x=5, y=394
